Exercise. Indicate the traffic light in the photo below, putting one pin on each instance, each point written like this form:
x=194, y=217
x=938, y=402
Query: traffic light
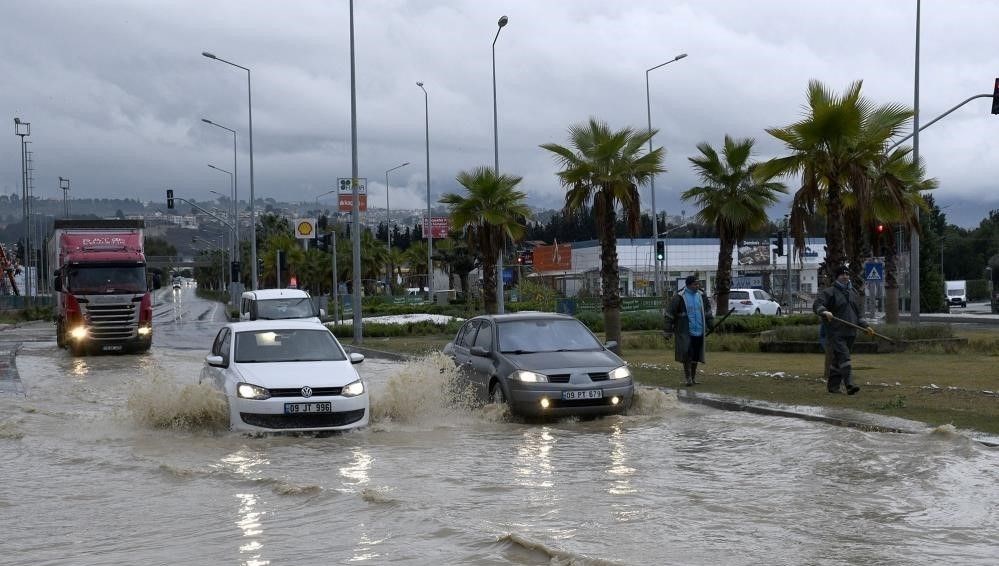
x=880, y=229
x=282, y=258
x=995, y=98
x=779, y=250
x=235, y=270
x=660, y=250
x=169, y=198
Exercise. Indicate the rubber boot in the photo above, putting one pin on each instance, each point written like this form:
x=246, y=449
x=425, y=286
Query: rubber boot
x=693, y=373
x=687, y=380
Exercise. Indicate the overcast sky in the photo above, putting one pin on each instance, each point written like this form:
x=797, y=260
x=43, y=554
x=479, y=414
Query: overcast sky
x=115, y=90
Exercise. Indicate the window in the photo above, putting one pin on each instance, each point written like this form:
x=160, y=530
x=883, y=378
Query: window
x=485, y=336
x=217, y=344
x=738, y=295
x=224, y=346
x=468, y=336
x=545, y=335
x=287, y=345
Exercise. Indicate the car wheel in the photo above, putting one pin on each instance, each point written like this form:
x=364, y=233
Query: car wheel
x=496, y=395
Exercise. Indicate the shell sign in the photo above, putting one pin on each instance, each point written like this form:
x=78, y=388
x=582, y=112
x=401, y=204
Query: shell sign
x=305, y=228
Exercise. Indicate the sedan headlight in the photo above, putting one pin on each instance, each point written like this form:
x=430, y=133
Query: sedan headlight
x=620, y=373
x=529, y=376
x=250, y=391
x=353, y=389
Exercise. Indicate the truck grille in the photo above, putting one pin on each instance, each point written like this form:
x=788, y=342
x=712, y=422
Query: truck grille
x=112, y=322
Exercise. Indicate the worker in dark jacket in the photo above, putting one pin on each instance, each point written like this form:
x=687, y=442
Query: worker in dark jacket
x=842, y=302
x=688, y=317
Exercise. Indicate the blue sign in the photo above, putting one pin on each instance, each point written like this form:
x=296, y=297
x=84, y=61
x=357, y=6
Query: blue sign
x=507, y=275
x=874, y=271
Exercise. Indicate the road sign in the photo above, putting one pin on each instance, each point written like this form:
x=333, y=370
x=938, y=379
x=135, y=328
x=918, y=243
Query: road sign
x=874, y=271
x=305, y=228
x=345, y=190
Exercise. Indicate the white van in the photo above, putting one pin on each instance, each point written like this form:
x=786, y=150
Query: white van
x=957, y=293
x=278, y=304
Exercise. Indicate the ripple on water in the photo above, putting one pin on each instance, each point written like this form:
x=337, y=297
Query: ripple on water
x=521, y=549
x=10, y=429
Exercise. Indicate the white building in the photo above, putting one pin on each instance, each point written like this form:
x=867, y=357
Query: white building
x=754, y=264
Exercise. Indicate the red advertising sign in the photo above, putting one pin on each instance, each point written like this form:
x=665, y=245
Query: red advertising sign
x=440, y=226
x=557, y=257
x=347, y=203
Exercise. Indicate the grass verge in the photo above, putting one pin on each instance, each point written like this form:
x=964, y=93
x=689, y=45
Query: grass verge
x=934, y=387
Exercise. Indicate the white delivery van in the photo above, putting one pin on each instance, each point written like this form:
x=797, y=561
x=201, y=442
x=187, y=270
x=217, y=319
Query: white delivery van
x=278, y=304
x=957, y=293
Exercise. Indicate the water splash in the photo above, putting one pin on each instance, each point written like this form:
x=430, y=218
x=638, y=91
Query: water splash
x=10, y=429
x=161, y=403
x=652, y=401
x=381, y=496
x=424, y=390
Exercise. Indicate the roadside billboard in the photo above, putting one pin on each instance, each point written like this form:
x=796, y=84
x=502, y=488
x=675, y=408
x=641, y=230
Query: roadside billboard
x=345, y=194
x=556, y=257
x=754, y=252
x=440, y=226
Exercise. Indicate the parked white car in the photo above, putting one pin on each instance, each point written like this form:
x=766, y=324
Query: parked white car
x=286, y=375
x=752, y=301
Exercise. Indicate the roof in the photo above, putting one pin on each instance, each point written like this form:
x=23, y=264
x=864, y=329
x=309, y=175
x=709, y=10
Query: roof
x=280, y=324
x=263, y=294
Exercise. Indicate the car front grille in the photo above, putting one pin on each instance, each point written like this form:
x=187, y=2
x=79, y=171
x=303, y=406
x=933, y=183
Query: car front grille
x=562, y=404
x=302, y=420
x=564, y=377
x=297, y=392
x=111, y=322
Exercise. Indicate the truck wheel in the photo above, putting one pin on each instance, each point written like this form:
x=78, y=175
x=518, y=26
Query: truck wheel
x=78, y=349
x=60, y=335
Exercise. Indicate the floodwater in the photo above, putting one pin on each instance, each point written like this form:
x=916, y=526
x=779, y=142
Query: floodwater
x=125, y=460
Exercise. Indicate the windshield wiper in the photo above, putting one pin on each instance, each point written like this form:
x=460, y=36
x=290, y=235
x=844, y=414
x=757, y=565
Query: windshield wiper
x=519, y=352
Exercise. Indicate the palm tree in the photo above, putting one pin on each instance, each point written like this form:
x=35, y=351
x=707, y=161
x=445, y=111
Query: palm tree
x=458, y=258
x=834, y=149
x=415, y=257
x=492, y=212
x=315, y=271
x=605, y=168
x=293, y=253
x=731, y=200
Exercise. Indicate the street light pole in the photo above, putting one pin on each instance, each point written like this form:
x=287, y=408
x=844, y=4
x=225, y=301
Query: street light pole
x=652, y=179
x=914, y=234
x=235, y=184
x=355, y=208
x=64, y=185
x=388, y=223
x=500, y=309
x=253, y=214
x=428, y=232
x=23, y=129
x=235, y=220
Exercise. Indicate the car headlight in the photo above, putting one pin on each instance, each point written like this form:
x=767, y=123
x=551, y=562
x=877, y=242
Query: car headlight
x=529, y=376
x=620, y=373
x=353, y=389
x=250, y=391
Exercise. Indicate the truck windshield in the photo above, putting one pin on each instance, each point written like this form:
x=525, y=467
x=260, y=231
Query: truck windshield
x=106, y=279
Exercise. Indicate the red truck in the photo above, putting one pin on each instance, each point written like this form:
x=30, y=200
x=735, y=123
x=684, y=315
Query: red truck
x=103, y=303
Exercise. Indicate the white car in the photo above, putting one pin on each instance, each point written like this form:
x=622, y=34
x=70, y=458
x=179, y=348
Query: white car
x=752, y=301
x=286, y=375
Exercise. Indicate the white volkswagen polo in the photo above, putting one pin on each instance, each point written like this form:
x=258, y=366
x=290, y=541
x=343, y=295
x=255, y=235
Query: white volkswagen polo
x=286, y=375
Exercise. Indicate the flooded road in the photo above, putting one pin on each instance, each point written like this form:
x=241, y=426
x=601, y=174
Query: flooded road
x=123, y=460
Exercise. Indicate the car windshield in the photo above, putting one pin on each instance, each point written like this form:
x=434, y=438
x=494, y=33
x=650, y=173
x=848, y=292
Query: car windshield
x=955, y=292
x=545, y=335
x=276, y=309
x=296, y=345
x=106, y=279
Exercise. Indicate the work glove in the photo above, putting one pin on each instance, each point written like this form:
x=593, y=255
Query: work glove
x=869, y=331
x=828, y=315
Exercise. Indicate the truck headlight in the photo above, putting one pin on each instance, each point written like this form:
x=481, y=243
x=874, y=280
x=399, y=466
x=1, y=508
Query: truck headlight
x=79, y=333
x=353, y=389
x=620, y=373
x=529, y=376
x=250, y=391
x=145, y=330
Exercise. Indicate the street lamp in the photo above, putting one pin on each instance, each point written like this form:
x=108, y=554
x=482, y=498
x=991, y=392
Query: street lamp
x=23, y=129
x=64, y=185
x=234, y=235
x=499, y=264
x=234, y=180
x=665, y=236
x=322, y=195
x=652, y=179
x=388, y=224
x=253, y=214
x=429, y=233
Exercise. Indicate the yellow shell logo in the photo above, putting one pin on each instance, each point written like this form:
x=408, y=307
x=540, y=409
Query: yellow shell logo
x=305, y=228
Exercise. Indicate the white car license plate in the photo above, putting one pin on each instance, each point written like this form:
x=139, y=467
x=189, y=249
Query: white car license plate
x=318, y=407
x=111, y=348
x=582, y=394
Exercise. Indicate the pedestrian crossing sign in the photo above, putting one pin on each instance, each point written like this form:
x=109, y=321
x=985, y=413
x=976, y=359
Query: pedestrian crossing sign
x=874, y=271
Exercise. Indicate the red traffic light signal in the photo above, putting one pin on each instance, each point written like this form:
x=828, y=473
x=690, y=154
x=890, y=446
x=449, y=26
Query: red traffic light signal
x=880, y=229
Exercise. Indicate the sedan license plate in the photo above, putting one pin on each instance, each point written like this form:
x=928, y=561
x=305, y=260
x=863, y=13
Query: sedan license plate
x=582, y=394
x=317, y=407
x=111, y=348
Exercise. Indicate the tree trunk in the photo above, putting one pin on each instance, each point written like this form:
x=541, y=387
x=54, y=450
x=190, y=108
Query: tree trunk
x=835, y=242
x=723, y=279
x=891, y=282
x=610, y=279
x=489, y=285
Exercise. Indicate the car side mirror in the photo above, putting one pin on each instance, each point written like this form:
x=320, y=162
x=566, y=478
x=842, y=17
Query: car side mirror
x=356, y=358
x=57, y=282
x=215, y=361
x=478, y=351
